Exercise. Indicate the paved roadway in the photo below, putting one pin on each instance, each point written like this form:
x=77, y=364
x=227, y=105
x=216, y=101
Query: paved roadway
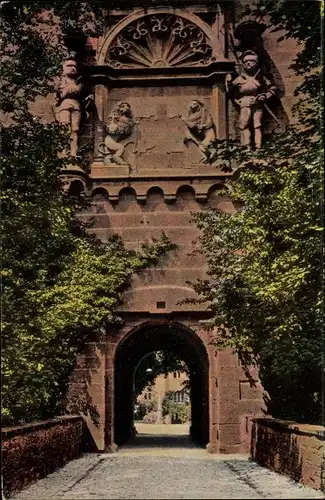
x=163, y=466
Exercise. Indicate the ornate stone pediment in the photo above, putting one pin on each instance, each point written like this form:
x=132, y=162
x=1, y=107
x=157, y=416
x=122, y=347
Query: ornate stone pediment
x=160, y=41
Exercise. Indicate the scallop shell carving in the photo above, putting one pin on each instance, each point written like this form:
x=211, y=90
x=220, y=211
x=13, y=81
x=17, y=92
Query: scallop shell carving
x=160, y=41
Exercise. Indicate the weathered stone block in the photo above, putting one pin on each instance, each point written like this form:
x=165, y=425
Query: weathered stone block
x=246, y=391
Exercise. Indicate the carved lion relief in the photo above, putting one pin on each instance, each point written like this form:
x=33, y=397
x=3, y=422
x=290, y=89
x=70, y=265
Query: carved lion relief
x=119, y=126
x=158, y=41
x=200, y=127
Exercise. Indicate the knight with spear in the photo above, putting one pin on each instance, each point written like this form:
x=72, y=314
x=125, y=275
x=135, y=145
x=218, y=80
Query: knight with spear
x=251, y=90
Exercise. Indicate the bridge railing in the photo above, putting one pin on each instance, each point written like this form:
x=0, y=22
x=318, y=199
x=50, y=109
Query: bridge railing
x=31, y=451
x=296, y=450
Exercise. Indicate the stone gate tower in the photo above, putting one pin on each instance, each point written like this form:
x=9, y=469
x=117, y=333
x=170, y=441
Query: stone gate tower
x=158, y=79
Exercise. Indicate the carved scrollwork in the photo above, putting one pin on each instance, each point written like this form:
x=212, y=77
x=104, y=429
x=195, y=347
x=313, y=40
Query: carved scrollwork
x=160, y=40
x=160, y=24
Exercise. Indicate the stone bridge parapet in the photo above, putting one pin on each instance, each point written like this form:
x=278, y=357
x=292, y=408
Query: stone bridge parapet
x=296, y=450
x=31, y=451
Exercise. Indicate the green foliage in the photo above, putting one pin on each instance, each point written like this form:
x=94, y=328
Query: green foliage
x=300, y=20
x=144, y=407
x=178, y=411
x=60, y=287
x=159, y=363
x=265, y=260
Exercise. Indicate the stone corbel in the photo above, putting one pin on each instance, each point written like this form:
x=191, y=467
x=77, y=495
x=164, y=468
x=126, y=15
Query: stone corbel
x=142, y=198
x=201, y=197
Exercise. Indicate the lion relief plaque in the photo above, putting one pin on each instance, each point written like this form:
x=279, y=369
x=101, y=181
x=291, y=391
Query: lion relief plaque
x=157, y=128
x=118, y=127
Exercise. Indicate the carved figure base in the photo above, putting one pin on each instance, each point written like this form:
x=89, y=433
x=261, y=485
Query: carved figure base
x=73, y=166
x=113, y=160
x=100, y=170
x=110, y=170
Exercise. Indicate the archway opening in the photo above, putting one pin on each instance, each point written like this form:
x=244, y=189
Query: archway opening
x=162, y=395
x=180, y=342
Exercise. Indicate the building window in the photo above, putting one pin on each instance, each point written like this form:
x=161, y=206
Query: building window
x=175, y=374
x=180, y=397
x=177, y=397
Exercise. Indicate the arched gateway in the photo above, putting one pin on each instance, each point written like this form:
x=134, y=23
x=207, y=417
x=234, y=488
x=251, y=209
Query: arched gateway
x=158, y=79
x=185, y=344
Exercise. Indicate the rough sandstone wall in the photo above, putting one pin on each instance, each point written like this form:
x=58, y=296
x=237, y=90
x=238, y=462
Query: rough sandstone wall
x=296, y=450
x=30, y=452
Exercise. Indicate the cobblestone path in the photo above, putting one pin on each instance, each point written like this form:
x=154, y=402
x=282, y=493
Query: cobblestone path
x=158, y=467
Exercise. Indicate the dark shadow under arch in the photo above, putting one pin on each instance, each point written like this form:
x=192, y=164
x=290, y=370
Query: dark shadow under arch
x=100, y=194
x=76, y=188
x=127, y=194
x=158, y=337
x=186, y=192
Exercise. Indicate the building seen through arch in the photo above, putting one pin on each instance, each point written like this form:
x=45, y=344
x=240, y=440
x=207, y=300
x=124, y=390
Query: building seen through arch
x=165, y=396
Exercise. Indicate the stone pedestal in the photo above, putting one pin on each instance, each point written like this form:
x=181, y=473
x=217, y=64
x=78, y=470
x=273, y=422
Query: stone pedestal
x=212, y=447
x=111, y=448
x=108, y=171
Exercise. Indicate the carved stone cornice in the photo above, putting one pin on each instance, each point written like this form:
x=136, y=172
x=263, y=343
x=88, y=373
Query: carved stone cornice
x=200, y=180
x=103, y=75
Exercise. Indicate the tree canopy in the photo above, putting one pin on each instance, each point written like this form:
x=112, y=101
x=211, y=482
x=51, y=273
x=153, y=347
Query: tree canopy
x=154, y=364
x=265, y=260
x=60, y=286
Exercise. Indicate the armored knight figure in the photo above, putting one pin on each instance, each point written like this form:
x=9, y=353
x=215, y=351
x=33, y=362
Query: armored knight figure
x=251, y=90
x=68, y=102
x=200, y=127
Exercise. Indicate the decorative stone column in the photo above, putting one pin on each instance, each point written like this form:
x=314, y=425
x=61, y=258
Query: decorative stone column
x=219, y=110
x=101, y=98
